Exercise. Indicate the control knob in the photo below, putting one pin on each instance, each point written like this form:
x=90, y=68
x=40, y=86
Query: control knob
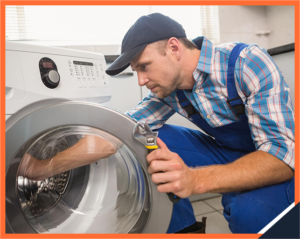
x=51, y=79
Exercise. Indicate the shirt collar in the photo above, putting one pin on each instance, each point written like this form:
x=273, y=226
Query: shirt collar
x=205, y=59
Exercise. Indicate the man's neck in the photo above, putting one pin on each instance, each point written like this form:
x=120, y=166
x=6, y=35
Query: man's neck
x=189, y=64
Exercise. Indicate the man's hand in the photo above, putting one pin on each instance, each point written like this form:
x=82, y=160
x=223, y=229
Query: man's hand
x=170, y=172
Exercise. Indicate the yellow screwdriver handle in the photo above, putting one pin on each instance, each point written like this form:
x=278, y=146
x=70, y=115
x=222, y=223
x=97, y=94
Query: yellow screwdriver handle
x=151, y=146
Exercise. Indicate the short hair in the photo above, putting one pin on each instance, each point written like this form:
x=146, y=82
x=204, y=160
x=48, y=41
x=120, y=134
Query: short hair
x=187, y=43
x=161, y=45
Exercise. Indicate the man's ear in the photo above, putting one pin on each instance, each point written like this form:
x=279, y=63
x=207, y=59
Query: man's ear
x=175, y=47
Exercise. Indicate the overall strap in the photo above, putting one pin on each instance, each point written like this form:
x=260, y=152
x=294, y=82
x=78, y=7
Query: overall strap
x=185, y=103
x=234, y=99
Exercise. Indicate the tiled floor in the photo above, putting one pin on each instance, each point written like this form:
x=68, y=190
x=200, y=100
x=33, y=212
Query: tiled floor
x=213, y=210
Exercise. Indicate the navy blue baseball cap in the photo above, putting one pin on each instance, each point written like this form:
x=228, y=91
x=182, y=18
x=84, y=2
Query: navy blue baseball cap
x=146, y=30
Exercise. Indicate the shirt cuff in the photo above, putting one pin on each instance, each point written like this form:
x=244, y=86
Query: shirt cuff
x=284, y=153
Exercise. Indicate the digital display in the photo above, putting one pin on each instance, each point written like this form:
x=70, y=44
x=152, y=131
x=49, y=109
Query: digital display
x=47, y=64
x=82, y=63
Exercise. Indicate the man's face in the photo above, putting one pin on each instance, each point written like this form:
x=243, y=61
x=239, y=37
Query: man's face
x=158, y=72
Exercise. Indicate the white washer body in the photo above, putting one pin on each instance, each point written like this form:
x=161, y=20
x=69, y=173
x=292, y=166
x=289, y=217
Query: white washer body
x=37, y=105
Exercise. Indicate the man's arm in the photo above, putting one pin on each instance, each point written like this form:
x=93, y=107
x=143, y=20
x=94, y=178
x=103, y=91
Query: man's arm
x=152, y=111
x=87, y=150
x=268, y=105
x=254, y=170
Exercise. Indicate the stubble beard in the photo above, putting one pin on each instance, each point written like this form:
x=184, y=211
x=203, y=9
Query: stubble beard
x=165, y=91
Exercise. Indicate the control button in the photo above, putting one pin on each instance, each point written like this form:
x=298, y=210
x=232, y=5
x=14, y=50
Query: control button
x=197, y=91
x=53, y=76
x=84, y=84
x=51, y=79
x=79, y=83
x=208, y=116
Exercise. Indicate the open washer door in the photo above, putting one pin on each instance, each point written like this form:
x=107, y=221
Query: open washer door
x=112, y=195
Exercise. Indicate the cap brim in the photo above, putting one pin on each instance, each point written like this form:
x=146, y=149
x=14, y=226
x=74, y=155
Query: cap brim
x=123, y=61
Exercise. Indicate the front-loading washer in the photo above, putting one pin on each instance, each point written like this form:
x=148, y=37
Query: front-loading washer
x=112, y=195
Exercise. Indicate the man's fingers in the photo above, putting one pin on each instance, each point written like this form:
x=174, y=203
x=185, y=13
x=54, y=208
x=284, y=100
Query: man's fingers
x=172, y=187
x=162, y=165
x=160, y=154
x=164, y=177
x=161, y=144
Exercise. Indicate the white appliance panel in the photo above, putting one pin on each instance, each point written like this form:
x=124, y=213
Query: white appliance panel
x=14, y=87
x=82, y=76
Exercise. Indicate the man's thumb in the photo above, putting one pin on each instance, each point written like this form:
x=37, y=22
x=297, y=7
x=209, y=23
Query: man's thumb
x=161, y=144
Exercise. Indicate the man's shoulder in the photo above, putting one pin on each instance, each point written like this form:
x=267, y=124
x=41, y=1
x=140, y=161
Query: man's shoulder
x=225, y=48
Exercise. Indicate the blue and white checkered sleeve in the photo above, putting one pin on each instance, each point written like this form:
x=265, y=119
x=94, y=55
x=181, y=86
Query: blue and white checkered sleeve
x=152, y=111
x=268, y=104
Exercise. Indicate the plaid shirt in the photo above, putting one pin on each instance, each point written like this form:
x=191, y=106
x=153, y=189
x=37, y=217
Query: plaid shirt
x=260, y=85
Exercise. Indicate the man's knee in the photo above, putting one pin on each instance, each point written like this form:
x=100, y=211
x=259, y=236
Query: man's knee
x=251, y=211
x=184, y=138
x=247, y=214
x=168, y=131
x=174, y=136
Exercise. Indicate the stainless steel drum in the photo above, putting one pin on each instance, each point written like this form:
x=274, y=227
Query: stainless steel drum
x=112, y=195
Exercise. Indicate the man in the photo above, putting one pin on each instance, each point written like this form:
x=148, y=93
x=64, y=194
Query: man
x=237, y=96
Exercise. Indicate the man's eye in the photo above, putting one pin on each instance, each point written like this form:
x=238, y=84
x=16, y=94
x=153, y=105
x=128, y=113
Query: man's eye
x=143, y=67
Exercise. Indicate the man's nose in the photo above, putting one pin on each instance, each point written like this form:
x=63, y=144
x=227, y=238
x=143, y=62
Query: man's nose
x=142, y=78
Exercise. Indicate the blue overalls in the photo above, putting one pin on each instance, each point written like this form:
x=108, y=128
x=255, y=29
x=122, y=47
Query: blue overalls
x=245, y=211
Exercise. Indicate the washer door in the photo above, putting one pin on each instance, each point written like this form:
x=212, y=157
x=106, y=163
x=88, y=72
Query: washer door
x=112, y=195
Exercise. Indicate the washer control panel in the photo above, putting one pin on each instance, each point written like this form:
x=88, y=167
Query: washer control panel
x=87, y=73
x=36, y=72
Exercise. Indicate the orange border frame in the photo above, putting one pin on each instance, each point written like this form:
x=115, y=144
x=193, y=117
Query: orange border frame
x=136, y=2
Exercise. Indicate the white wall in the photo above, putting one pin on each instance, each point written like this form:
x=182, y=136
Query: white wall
x=243, y=23
x=281, y=22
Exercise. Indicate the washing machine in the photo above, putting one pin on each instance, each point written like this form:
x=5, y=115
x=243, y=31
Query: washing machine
x=54, y=98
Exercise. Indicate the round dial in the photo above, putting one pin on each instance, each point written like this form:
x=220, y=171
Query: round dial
x=51, y=79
